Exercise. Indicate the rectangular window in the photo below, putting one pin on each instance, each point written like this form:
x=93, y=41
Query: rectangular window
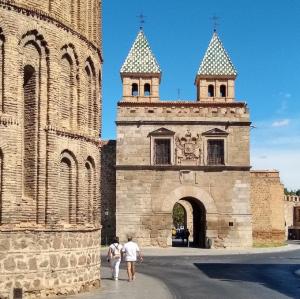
x=162, y=151
x=215, y=152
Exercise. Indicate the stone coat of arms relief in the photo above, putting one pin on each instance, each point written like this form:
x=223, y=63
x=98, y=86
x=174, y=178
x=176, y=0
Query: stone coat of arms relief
x=188, y=149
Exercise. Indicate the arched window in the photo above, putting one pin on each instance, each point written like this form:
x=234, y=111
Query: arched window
x=67, y=189
x=90, y=189
x=30, y=131
x=91, y=97
x=211, y=91
x=147, y=90
x=223, y=91
x=134, y=90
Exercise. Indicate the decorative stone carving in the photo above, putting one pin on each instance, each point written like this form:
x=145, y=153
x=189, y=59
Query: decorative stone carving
x=188, y=149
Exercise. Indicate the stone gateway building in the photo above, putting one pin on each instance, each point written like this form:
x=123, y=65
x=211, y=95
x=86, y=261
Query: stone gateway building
x=195, y=153
x=50, y=107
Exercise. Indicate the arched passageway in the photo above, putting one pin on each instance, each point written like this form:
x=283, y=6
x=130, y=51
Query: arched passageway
x=189, y=214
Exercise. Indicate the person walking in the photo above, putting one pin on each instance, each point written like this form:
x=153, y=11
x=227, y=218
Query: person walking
x=187, y=235
x=114, y=257
x=131, y=251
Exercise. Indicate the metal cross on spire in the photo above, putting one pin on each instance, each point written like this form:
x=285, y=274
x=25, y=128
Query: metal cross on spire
x=142, y=20
x=215, y=20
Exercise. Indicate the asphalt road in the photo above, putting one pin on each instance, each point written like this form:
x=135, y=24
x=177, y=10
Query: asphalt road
x=271, y=275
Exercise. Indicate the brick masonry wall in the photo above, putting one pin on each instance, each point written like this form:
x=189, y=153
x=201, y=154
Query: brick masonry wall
x=267, y=207
x=50, y=161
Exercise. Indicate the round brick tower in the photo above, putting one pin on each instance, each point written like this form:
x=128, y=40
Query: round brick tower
x=50, y=108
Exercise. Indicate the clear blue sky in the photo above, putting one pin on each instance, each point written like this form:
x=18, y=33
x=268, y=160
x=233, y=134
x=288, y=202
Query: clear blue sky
x=262, y=38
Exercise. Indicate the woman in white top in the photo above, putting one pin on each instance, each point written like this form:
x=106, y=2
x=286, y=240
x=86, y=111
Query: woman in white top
x=114, y=257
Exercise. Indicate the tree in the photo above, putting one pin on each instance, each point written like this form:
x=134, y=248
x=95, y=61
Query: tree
x=178, y=215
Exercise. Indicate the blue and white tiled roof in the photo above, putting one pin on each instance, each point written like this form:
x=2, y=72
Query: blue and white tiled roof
x=140, y=58
x=216, y=61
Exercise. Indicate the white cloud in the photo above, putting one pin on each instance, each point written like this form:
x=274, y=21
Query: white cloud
x=286, y=95
x=281, y=123
x=287, y=161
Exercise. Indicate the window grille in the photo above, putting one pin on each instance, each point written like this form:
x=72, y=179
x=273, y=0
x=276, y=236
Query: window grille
x=162, y=152
x=215, y=152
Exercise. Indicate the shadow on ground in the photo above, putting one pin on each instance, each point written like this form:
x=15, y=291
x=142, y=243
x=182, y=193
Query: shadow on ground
x=272, y=276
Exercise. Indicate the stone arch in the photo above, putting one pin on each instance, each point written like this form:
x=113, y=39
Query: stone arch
x=68, y=188
x=199, y=197
x=1, y=184
x=68, y=86
x=189, y=191
x=90, y=183
x=91, y=94
x=2, y=59
x=36, y=39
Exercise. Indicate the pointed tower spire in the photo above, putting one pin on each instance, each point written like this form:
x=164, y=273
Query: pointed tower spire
x=140, y=72
x=216, y=61
x=216, y=74
x=140, y=58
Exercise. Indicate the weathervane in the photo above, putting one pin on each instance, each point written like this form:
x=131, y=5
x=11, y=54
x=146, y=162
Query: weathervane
x=215, y=20
x=142, y=20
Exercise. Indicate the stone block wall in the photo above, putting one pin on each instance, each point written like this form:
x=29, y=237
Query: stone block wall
x=48, y=263
x=290, y=203
x=147, y=193
x=145, y=201
x=267, y=204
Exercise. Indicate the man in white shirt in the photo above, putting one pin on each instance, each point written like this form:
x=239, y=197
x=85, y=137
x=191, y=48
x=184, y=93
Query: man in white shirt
x=130, y=251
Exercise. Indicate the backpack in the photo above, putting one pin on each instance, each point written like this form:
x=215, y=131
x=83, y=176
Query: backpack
x=116, y=253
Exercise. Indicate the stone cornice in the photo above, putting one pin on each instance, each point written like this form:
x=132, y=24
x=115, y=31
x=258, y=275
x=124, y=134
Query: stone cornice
x=71, y=134
x=10, y=5
x=183, y=104
x=181, y=122
x=205, y=168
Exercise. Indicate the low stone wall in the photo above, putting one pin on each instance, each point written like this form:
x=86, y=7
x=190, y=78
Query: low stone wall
x=46, y=263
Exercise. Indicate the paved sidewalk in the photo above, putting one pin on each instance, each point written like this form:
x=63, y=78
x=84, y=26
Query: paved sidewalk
x=147, y=287
x=185, y=251
x=189, y=251
x=144, y=287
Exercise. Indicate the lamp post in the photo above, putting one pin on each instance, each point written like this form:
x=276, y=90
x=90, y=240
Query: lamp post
x=106, y=213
